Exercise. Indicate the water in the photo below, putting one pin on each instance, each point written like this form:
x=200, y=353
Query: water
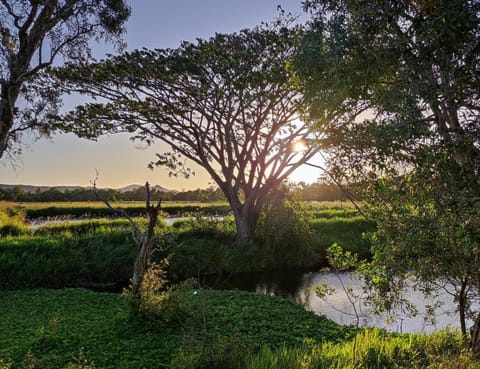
x=298, y=286
x=45, y=222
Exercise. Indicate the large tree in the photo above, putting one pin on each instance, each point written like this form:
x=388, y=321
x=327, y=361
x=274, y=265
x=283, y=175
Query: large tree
x=33, y=33
x=413, y=68
x=226, y=103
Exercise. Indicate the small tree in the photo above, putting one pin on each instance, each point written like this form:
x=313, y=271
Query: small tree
x=225, y=103
x=32, y=34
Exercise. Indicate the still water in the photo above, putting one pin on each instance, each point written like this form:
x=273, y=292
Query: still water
x=299, y=286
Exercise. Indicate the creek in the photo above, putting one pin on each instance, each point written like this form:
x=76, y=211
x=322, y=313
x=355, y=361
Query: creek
x=299, y=287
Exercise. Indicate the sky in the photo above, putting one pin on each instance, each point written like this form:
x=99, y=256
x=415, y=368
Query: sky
x=68, y=160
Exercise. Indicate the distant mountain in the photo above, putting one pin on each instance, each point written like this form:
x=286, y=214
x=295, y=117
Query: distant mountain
x=134, y=187
x=32, y=188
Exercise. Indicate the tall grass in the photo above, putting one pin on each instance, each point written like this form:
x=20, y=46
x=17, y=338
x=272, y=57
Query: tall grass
x=347, y=232
x=375, y=349
x=98, y=209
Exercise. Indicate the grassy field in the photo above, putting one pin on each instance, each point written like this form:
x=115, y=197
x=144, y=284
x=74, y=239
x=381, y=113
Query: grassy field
x=36, y=210
x=99, y=253
x=33, y=210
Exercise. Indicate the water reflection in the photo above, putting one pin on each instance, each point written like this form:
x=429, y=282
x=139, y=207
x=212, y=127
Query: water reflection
x=298, y=286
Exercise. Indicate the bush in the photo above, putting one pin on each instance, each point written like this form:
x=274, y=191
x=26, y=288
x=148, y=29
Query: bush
x=160, y=300
x=284, y=232
x=12, y=222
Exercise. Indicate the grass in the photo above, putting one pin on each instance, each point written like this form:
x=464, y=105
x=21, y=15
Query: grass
x=96, y=260
x=99, y=253
x=37, y=210
x=53, y=328
x=375, y=349
x=346, y=231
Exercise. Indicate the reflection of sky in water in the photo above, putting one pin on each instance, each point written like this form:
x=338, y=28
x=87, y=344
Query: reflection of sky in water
x=299, y=286
x=339, y=309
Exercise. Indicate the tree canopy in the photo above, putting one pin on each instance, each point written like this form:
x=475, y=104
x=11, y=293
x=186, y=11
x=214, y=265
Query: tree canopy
x=226, y=103
x=32, y=35
x=406, y=74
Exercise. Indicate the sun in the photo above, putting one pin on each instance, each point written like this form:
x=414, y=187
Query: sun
x=299, y=146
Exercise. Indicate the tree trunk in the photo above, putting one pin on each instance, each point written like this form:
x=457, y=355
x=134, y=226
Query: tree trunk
x=139, y=267
x=462, y=306
x=246, y=219
x=475, y=343
x=144, y=249
x=6, y=115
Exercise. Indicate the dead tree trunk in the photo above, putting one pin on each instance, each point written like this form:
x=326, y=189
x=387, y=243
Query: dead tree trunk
x=144, y=239
x=145, y=245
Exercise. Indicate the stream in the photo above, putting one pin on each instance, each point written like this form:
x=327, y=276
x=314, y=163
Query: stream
x=299, y=287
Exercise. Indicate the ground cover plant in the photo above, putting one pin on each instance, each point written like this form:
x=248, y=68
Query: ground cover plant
x=219, y=330
x=36, y=328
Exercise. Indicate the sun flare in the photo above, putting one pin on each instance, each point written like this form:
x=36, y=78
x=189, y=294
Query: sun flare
x=299, y=146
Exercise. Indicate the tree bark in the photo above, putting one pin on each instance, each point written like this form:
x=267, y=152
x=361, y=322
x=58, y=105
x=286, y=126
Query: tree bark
x=246, y=219
x=475, y=343
x=144, y=248
x=462, y=306
x=8, y=97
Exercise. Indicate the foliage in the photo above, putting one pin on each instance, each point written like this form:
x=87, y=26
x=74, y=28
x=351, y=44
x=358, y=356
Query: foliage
x=430, y=233
x=226, y=103
x=32, y=35
x=406, y=75
x=284, y=231
x=376, y=350
x=51, y=327
x=12, y=221
x=158, y=299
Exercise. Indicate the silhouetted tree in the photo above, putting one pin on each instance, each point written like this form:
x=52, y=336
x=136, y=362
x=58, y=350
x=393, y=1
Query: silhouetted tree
x=225, y=103
x=32, y=34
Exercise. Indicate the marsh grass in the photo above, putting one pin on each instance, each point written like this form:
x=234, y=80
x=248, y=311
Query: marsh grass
x=376, y=349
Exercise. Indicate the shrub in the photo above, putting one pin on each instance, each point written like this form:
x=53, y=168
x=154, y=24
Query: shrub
x=12, y=222
x=159, y=299
x=284, y=232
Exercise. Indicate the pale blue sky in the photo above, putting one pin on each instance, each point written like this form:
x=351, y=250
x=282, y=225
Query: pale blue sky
x=67, y=160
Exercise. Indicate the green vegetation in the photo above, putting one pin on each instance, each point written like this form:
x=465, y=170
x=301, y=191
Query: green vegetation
x=184, y=328
x=375, y=349
x=98, y=209
x=99, y=253
x=36, y=328
x=220, y=330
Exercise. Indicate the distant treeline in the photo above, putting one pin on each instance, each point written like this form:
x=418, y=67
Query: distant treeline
x=302, y=191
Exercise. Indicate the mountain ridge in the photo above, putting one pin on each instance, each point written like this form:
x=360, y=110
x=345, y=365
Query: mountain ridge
x=33, y=188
